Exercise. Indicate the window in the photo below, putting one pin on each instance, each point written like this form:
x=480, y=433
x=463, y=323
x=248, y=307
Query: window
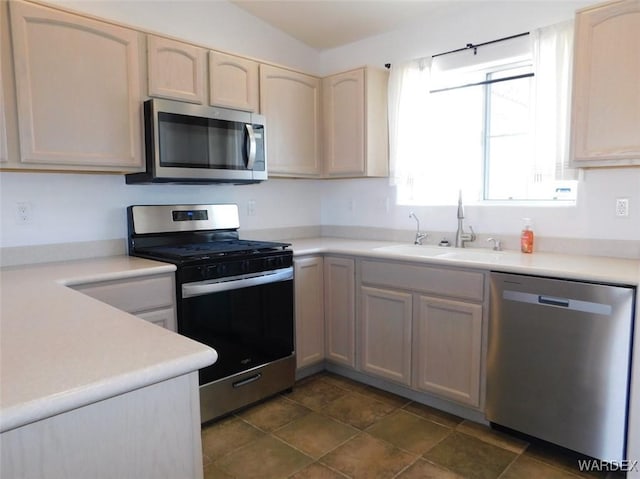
x=494, y=127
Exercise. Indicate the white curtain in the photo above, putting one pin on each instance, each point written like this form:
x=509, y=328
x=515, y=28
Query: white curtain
x=408, y=97
x=552, y=60
x=430, y=159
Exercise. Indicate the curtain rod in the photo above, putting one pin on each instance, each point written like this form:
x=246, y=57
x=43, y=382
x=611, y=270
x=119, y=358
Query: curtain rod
x=471, y=45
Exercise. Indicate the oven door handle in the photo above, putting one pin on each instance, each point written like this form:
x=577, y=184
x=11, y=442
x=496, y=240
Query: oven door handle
x=190, y=290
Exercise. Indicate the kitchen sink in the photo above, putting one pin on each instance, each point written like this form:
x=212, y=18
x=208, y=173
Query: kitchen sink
x=480, y=256
x=414, y=250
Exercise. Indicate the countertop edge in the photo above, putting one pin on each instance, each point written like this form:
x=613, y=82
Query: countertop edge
x=46, y=407
x=189, y=355
x=367, y=249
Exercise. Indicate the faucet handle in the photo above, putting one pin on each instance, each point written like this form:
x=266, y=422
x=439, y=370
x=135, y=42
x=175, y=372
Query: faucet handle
x=473, y=234
x=497, y=244
x=420, y=237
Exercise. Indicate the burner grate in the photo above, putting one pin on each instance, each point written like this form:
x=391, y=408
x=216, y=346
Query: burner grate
x=214, y=248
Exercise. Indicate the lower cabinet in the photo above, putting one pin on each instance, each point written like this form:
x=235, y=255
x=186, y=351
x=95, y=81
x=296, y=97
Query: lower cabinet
x=421, y=326
x=417, y=326
x=149, y=432
x=339, y=304
x=149, y=297
x=448, y=349
x=385, y=334
x=309, y=310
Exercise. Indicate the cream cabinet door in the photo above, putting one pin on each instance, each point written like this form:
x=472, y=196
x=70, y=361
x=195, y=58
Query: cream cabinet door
x=290, y=102
x=233, y=82
x=448, y=344
x=78, y=90
x=151, y=298
x=344, y=115
x=606, y=85
x=339, y=303
x=176, y=70
x=385, y=334
x=165, y=318
x=4, y=156
x=309, y=307
x=355, y=123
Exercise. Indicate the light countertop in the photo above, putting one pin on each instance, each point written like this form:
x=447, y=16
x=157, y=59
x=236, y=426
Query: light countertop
x=587, y=268
x=61, y=349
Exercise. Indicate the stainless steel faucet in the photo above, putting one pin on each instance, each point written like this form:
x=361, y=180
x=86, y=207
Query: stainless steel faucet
x=419, y=236
x=497, y=244
x=461, y=236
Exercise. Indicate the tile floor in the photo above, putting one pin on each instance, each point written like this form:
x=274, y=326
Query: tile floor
x=331, y=427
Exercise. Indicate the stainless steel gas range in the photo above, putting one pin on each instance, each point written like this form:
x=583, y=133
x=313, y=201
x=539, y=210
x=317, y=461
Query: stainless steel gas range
x=234, y=295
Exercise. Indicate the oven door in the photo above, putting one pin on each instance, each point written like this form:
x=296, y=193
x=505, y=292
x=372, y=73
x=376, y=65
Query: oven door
x=248, y=319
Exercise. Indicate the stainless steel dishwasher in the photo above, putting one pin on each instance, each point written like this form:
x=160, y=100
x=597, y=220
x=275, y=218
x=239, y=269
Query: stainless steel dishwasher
x=559, y=360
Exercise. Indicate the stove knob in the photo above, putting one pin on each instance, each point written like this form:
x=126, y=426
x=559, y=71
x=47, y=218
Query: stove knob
x=222, y=269
x=212, y=270
x=202, y=273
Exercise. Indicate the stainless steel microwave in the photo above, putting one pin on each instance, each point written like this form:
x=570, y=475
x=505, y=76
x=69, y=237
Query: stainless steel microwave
x=186, y=143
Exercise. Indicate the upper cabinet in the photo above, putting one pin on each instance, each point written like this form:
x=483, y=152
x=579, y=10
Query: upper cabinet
x=176, y=70
x=355, y=123
x=290, y=102
x=606, y=85
x=4, y=155
x=233, y=82
x=78, y=91
x=72, y=90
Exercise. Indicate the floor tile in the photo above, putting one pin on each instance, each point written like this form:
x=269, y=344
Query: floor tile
x=409, y=432
x=422, y=469
x=561, y=458
x=212, y=472
x=315, y=434
x=335, y=428
x=385, y=397
x=344, y=383
x=470, y=457
x=433, y=414
x=315, y=393
x=264, y=458
x=525, y=467
x=317, y=471
x=225, y=436
x=365, y=456
x=358, y=410
x=497, y=438
x=273, y=414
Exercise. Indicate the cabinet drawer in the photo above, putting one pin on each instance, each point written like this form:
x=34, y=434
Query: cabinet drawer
x=165, y=318
x=425, y=279
x=135, y=295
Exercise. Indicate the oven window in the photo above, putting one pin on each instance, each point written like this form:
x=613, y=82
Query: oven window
x=248, y=327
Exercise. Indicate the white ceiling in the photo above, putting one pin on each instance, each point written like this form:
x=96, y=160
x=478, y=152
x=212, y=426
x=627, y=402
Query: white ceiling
x=325, y=24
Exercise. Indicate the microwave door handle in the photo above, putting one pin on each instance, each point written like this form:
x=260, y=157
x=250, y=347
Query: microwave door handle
x=251, y=156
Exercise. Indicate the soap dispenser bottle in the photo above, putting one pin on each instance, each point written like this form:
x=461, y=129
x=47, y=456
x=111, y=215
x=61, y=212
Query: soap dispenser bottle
x=526, y=237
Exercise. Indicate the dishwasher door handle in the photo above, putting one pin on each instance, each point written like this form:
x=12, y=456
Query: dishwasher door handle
x=569, y=304
x=553, y=301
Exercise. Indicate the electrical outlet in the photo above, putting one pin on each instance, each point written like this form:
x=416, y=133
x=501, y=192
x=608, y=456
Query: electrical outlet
x=622, y=207
x=23, y=212
x=251, y=208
